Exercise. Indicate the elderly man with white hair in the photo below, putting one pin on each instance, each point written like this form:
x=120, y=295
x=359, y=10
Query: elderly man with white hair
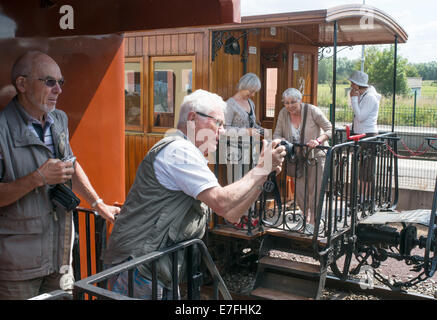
x=166, y=203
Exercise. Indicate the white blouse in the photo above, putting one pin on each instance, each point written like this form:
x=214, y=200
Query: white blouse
x=366, y=109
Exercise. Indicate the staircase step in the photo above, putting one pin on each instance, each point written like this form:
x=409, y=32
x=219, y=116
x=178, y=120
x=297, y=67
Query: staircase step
x=295, y=236
x=293, y=246
x=272, y=294
x=294, y=267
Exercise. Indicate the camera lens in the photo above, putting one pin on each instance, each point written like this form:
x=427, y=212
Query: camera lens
x=289, y=148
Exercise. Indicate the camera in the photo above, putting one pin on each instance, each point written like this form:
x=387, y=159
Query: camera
x=289, y=148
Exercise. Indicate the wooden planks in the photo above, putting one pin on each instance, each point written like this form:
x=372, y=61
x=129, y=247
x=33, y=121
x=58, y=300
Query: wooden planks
x=153, y=44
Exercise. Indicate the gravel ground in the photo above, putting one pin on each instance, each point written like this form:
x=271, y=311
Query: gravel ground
x=241, y=281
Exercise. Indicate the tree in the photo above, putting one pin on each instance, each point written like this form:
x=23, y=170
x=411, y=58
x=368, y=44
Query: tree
x=379, y=66
x=344, y=69
x=428, y=70
x=411, y=70
x=325, y=70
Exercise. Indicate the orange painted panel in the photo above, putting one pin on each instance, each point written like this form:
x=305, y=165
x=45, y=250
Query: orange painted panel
x=92, y=97
x=29, y=18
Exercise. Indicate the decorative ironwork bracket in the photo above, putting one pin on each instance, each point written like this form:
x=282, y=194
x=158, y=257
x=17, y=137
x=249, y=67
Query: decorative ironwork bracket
x=326, y=52
x=221, y=39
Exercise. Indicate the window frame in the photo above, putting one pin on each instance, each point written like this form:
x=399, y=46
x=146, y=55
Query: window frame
x=153, y=59
x=264, y=116
x=136, y=128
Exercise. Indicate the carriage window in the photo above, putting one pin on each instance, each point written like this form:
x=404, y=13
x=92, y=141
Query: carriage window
x=172, y=81
x=133, y=94
x=302, y=73
x=271, y=91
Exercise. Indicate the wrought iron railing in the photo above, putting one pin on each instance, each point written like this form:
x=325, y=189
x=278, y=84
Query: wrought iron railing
x=344, y=199
x=90, y=285
x=89, y=242
x=332, y=194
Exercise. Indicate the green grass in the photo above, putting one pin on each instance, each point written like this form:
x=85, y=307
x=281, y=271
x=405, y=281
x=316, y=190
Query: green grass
x=426, y=106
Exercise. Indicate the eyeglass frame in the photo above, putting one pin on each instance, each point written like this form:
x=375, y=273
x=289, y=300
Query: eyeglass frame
x=218, y=123
x=60, y=82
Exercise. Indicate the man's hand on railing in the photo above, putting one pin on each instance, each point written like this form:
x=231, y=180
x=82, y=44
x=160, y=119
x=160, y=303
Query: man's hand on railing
x=107, y=212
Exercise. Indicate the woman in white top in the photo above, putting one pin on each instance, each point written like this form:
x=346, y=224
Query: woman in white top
x=365, y=103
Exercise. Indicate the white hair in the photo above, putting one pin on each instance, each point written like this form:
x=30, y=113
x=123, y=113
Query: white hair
x=292, y=92
x=200, y=101
x=249, y=81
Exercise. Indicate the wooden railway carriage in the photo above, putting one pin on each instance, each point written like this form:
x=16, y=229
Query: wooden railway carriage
x=161, y=66
x=283, y=49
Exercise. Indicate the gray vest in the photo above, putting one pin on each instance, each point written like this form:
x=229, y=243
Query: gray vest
x=35, y=237
x=153, y=218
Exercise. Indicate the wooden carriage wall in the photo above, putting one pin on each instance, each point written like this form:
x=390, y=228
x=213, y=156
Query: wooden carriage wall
x=162, y=66
x=213, y=69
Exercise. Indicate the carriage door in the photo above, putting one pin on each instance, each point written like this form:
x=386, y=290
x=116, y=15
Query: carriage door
x=273, y=81
x=302, y=71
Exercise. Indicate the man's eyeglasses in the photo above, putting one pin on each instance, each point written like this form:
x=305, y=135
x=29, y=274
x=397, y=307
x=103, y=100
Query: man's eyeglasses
x=219, y=123
x=50, y=82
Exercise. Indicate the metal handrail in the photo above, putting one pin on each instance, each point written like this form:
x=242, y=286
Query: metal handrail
x=332, y=234
x=99, y=239
x=53, y=295
x=87, y=285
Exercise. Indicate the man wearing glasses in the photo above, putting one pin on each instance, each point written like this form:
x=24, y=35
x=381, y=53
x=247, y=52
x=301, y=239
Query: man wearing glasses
x=166, y=203
x=35, y=235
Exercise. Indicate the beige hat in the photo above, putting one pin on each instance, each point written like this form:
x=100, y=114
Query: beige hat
x=360, y=78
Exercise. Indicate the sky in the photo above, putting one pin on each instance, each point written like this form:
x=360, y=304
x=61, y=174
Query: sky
x=418, y=18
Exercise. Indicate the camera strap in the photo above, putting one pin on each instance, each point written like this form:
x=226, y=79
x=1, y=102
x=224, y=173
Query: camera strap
x=271, y=186
x=304, y=122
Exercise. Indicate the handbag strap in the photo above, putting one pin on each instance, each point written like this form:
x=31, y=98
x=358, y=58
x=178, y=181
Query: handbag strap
x=250, y=114
x=302, y=132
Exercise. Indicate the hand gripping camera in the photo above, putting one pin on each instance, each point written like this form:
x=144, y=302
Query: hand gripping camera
x=289, y=148
x=271, y=185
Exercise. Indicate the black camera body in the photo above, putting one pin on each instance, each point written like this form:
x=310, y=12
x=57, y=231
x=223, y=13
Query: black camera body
x=289, y=148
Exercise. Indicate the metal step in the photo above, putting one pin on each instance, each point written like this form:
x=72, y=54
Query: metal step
x=284, y=279
x=271, y=294
x=287, y=244
x=292, y=267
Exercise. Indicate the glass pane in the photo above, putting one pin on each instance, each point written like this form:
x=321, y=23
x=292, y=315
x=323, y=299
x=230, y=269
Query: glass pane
x=132, y=93
x=172, y=81
x=302, y=72
x=271, y=90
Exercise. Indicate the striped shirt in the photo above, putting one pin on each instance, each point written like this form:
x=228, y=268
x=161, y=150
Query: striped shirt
x=47, y=132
